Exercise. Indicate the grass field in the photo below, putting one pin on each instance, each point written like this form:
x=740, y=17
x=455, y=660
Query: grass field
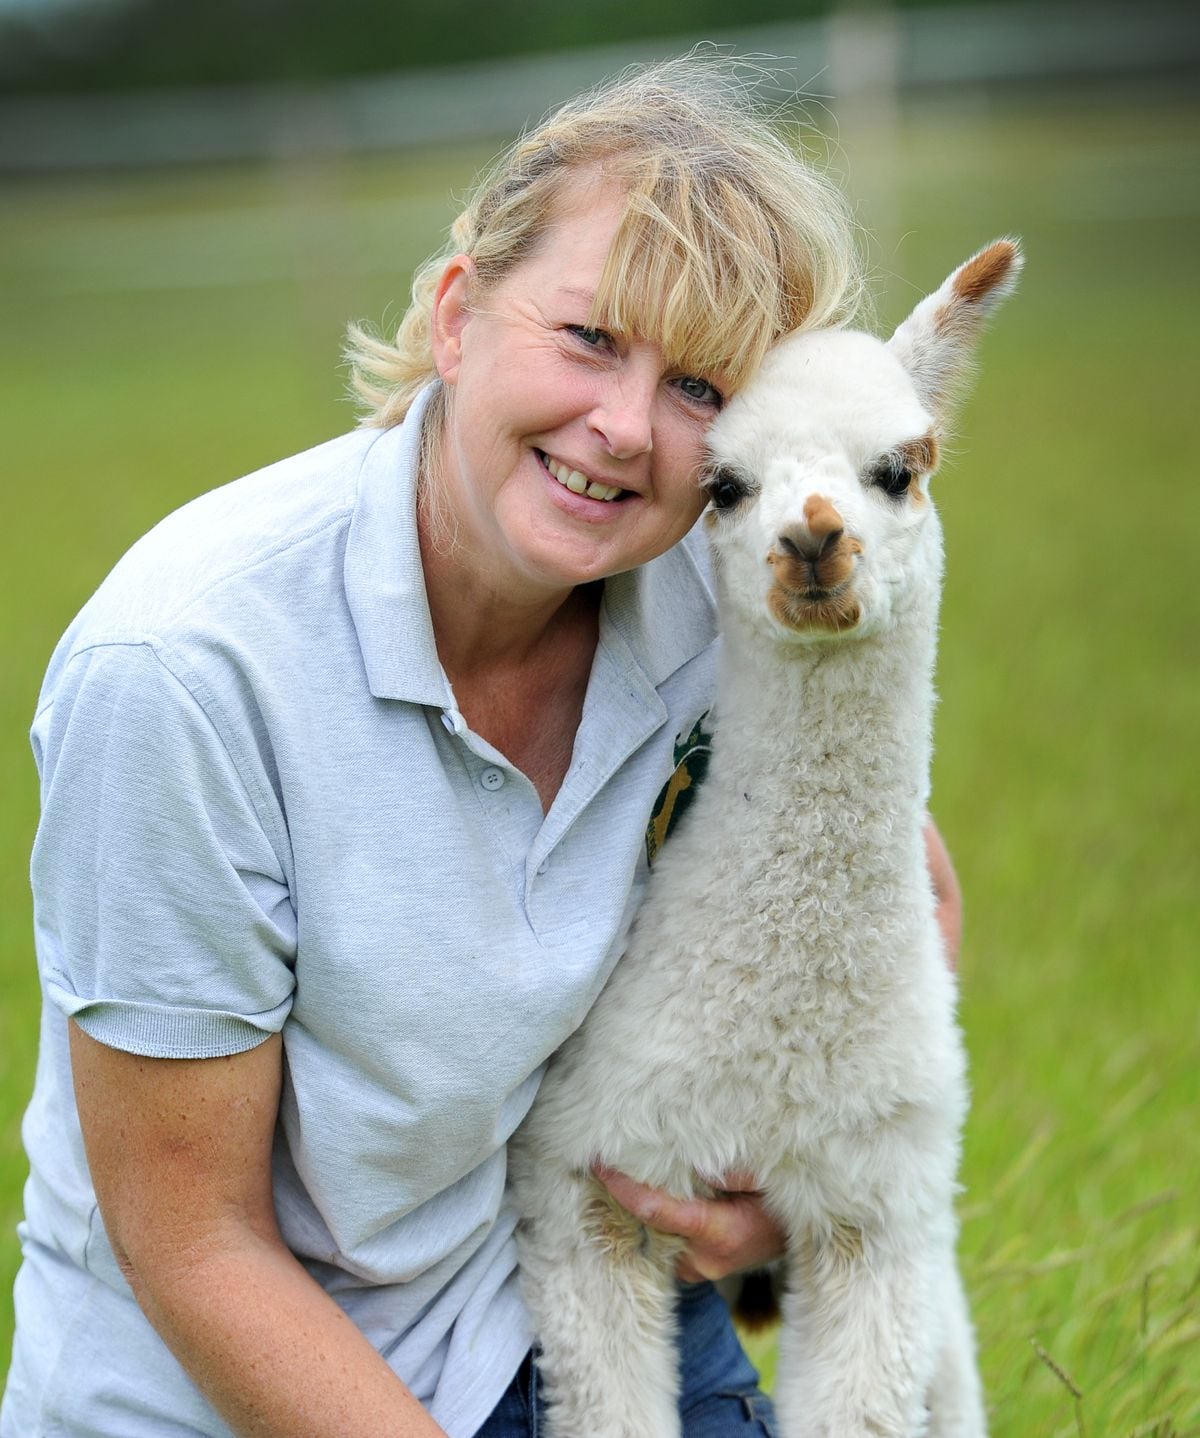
x=159, y=335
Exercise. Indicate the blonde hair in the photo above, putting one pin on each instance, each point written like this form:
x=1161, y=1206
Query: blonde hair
x=728, y=239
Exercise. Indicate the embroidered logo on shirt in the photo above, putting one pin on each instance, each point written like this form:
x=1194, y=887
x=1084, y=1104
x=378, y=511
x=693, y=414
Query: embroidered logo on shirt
x=691, y=765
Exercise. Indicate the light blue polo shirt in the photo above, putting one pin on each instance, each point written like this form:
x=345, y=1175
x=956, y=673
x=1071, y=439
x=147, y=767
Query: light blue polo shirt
x=262, y=811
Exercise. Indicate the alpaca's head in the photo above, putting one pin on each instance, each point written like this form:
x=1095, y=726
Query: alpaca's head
x=820, y=515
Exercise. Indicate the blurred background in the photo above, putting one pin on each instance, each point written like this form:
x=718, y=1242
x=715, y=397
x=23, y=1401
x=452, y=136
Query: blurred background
x=195, y=199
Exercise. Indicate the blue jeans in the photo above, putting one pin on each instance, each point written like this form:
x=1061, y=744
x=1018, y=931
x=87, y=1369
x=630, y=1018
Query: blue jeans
x=719, y=1394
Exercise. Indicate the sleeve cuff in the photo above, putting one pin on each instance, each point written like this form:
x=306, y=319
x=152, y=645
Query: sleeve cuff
x=156, y=1031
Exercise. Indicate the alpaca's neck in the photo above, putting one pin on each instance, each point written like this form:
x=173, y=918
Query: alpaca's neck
x=841, y=727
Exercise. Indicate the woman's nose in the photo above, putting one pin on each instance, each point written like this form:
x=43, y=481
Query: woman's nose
x=623, y=416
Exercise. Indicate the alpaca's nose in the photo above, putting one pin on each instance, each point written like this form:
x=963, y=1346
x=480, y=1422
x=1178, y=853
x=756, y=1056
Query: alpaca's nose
x=804, y=544
x=818, y=535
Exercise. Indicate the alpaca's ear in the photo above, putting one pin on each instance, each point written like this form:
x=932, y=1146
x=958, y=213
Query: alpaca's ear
x=937, y=341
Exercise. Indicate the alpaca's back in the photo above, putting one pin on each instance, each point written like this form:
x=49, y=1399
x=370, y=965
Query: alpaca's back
x=784, y=1008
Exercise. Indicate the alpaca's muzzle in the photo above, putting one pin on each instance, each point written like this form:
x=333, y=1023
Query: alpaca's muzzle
x=814, y=563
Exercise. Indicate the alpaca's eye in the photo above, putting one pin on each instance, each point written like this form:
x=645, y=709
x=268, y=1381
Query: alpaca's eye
x=725, y=488
x=892, y=475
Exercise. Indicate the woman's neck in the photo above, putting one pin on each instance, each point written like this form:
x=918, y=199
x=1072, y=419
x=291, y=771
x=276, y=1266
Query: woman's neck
x=487, y=622
x=518, y=659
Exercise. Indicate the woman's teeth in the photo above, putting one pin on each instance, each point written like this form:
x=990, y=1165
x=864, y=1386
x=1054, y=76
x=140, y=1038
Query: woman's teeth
x=579, y=483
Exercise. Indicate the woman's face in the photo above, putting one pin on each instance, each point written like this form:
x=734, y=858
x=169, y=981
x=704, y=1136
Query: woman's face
x=541, y=407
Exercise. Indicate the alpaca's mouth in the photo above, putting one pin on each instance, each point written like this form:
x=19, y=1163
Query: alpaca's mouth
x=834, y=610
x=819, y=577
x=813, y=588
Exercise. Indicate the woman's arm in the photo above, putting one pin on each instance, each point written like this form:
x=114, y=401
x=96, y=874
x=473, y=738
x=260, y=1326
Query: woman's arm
x=945, y=890
x=180, y=1154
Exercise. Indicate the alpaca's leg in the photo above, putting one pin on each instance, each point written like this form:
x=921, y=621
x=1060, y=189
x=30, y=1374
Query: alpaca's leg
x=956, y=1395
x=601, y=1290
x=858, y=1345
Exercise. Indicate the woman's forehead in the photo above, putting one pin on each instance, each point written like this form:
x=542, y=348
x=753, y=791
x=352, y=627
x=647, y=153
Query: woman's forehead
x=626, y=266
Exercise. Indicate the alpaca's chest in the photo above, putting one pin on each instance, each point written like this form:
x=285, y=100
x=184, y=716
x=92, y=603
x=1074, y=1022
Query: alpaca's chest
x=783, y=989
x=766, y=1027
x=712, y=1050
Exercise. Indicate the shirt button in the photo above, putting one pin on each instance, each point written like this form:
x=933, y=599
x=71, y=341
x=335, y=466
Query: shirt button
x=492, y=779
x=448, y=718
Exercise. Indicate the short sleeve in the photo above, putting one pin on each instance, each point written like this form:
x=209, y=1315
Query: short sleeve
x=163, y=918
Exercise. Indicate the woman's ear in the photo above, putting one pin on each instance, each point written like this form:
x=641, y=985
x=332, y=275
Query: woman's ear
x=450, y=314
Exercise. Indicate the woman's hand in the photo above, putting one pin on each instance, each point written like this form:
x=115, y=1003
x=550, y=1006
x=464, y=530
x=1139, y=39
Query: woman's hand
x=726, y=1234
x=946, y=891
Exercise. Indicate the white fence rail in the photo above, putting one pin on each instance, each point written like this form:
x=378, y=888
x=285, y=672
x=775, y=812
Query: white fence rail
x=923, y=49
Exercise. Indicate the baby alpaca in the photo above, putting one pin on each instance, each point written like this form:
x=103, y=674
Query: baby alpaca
x=784, y=1007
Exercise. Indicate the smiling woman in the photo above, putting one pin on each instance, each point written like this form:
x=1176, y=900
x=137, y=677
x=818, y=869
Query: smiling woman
x=726, y=238
x=604, y=436
x=346, y=775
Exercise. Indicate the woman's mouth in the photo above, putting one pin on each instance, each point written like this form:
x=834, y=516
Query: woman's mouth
x=579, y=483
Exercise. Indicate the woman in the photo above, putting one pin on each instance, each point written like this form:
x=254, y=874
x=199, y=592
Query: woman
x=346, y=776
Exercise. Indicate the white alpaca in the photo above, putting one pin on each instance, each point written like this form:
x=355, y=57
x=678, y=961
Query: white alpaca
x=784, y=1007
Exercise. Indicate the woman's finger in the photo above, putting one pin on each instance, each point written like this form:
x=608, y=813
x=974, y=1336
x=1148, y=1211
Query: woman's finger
x=724, y=1235
x=685, y=1217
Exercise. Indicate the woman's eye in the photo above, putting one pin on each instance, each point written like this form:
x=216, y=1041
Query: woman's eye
x=700, y=390
x=893, y=476
x=594, y=339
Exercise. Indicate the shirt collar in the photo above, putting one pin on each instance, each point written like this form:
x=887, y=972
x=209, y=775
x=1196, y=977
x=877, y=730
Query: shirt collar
x=385, y=584
x=663, y=611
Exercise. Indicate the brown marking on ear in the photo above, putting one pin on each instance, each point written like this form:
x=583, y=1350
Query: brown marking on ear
x=989, y=268
x=943, y=318
x=953, y=321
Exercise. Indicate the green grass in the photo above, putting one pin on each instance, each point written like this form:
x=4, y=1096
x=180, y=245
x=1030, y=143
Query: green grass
x=160, y=335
